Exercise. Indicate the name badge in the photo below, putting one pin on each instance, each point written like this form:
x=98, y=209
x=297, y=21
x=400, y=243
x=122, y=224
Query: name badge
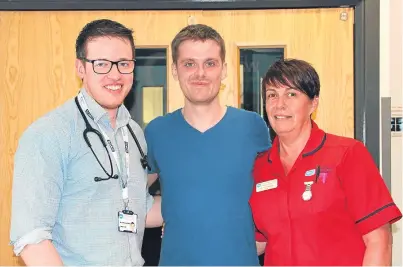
x=127, y=221
x=263, y=186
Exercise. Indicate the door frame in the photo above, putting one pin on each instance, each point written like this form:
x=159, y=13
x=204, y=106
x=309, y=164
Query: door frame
x=366, y=43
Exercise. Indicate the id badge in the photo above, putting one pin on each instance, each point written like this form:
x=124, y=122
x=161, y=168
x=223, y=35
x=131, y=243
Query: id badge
x=127, y=221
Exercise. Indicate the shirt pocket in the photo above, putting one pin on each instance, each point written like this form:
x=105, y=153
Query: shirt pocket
x=327, y=194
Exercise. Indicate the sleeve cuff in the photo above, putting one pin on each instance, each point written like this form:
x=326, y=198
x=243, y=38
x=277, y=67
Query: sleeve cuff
x=260, y=237
x=34, y=237
x=389, y=213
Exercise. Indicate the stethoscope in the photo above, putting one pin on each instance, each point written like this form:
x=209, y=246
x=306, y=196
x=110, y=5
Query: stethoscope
x=89, y=129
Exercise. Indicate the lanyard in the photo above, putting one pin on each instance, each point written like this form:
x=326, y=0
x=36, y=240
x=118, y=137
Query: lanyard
x=125, y=193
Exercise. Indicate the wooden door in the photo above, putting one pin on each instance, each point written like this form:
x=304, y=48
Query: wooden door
x=37, y=65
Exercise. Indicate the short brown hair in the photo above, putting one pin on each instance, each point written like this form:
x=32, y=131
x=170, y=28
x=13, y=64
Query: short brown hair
x=294, y=73
x=197, y=32
x=102, y=28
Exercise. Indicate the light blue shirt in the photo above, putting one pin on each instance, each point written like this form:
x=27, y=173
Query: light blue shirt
x=55, y=196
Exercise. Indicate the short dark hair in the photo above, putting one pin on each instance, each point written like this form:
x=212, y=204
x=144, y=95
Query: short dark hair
x=294, y=73
x=197, y=32
x=101, y=28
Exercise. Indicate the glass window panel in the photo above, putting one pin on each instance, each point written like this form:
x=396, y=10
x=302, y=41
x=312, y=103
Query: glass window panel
x=254, y=63
x=147, y=99
x=153, y=103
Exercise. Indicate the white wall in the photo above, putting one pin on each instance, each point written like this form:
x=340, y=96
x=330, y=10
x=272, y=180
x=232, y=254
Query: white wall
x=391, y=84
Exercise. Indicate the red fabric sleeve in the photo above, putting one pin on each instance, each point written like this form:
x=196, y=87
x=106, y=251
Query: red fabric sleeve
x=368, y=198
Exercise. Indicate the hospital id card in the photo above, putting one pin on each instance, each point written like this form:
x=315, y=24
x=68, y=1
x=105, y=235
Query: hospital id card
x=127, y=221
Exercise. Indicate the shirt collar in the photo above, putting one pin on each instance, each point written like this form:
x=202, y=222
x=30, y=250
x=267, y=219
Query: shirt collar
x=315, y=142
x=101, y=115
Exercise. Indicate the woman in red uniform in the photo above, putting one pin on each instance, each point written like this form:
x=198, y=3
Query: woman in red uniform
x=318, y=198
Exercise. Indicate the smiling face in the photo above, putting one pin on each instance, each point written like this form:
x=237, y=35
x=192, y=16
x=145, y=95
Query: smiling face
x=199, y=70
x=108, y=90
x=288, y=109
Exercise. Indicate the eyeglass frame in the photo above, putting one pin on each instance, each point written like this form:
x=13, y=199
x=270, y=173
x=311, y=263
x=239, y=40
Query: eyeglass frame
x=112, y=63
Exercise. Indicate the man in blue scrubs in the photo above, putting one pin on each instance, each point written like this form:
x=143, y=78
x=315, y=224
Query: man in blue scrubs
x=203, y=154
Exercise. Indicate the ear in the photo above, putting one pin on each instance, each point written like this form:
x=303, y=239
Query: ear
x=224, y=71
x=174, y=71
x=315, y=104
x=80, y=68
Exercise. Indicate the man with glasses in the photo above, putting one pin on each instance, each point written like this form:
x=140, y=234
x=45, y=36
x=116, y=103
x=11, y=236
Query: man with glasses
x=80, y=178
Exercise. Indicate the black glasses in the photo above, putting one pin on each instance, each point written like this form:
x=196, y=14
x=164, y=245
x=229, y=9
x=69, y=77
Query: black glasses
x=104, y=66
